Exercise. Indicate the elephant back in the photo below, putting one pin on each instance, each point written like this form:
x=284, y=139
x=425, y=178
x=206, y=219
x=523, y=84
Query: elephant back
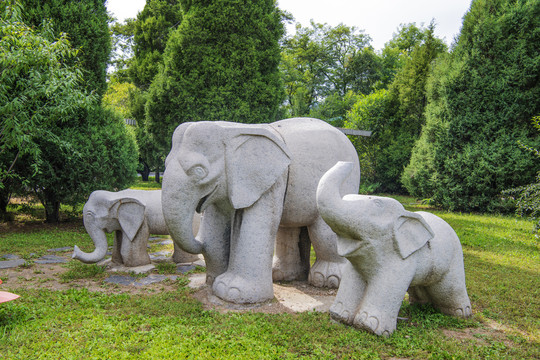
x=315, y=146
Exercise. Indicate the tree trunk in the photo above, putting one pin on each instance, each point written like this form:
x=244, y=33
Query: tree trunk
x=52, y=208
x=145, y=173
x=4, y=201
x=157, y=176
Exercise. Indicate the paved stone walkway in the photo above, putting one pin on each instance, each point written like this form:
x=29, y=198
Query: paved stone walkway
x=14, y=261
x=9, y=261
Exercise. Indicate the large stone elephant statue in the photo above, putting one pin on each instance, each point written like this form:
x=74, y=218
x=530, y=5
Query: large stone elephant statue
x=390, y=251
x=133, y=215
x=256, y=185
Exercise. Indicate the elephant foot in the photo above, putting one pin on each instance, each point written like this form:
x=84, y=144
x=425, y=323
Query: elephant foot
x=282, y=271
x=325, y=274
x=340, y=313
x=239, y=290
x=375, y=323
x=461, y=312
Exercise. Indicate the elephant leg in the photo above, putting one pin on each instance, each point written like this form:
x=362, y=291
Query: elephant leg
x=349, y=295
x=418, y=295
x=117, y=246
x=135, y=252
x=249, y=276
x=215, y=233
x=180, y=256
x=291, y=255
x=326, y=271
x=449, y=295
x=382, y=300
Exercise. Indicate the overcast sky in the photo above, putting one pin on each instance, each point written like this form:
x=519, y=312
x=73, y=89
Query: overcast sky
x=379, y=18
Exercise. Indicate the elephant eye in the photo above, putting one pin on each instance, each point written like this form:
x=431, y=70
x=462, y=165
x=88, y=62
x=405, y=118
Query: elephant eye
x=198, y=172
x=378, y=203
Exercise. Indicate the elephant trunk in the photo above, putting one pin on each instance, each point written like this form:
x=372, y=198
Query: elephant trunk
x=100, y=242
x=178, y=211
x=332, y=208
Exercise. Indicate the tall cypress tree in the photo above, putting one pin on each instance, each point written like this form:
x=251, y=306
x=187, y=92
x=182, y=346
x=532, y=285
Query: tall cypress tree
x=151, y=32
x=220, y=64
x=482, y=100
x=86, y=24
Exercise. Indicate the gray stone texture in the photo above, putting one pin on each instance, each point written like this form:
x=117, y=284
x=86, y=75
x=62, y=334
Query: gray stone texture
x=126, y=280
x=132, y=215
x=256, y=185
x=51, y=259
x=390, y=251
x=10, y=257
x=62, y=249
x=12, y=263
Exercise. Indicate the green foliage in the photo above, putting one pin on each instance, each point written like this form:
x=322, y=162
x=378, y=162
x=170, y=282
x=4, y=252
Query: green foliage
x=220, y=64
x=325, y=62
x=334, y=107
x=99, y=153
x=399, y=112
x=396, y=51
x=122, y=35
x=118, y=98
x=37, y=90
x=56, y=141
x=485, y=96
x=86, y=26
x=420, y=175
x=528, y=197
x=371, y=113
x=151, y=31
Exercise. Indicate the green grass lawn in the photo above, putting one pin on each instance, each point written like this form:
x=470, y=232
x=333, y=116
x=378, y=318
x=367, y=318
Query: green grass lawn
x=503, y=277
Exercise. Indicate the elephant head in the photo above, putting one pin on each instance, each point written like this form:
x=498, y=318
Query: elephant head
x=218, y=164
x=103, y=213
x=362, y=220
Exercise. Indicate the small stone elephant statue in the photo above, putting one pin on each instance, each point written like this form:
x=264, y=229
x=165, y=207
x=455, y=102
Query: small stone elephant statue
x=133, y=215
x=391, y=251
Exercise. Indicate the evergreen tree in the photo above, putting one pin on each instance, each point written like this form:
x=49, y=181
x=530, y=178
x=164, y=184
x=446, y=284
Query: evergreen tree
x=404, y=104
x=220, y=64
x=86, y=24
x=151, y=32
x=481, y=103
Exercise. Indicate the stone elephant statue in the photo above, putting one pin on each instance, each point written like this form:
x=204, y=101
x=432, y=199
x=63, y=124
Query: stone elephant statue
x=133, y=215
x=256, y=185
x=390, y=251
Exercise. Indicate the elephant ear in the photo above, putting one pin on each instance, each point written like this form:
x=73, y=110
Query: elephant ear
x=130, y=216
x=411, y=232
x=254, y=161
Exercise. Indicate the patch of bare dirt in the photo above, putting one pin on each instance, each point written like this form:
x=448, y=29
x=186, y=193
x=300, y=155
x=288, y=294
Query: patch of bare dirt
x=482, y=336
x=289, y=297
x=48, y=276
x=293, y=297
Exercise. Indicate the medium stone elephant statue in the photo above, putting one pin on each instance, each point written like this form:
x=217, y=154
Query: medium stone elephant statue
x=133, y=215
x=390, y=251
x=256, y=185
